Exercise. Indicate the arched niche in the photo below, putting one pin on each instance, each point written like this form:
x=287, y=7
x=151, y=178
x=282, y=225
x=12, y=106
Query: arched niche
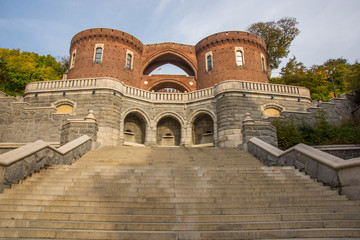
x=134, y=128
x=203, y=129
x=168, y=132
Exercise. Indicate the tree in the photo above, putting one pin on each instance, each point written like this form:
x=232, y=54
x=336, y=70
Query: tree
x=278, y=37
x=19, y=68
x=317, y=78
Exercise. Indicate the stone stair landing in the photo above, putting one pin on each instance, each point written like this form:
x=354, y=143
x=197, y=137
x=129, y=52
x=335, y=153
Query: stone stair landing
x=174, y=193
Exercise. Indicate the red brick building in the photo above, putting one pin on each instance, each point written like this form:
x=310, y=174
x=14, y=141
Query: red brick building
x=222, y=56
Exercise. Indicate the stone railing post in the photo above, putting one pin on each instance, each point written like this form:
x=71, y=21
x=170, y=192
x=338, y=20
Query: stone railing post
x=74, y=128
x=262, y=130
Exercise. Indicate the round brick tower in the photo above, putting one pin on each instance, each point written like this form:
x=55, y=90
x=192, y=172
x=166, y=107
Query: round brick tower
x=103, y=52
x=230, y=55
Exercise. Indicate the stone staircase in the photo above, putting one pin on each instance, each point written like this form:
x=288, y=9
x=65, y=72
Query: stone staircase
x=174, y=193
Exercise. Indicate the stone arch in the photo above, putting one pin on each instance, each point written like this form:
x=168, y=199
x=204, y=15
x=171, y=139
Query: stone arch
x=135, y=127
x=271, y=110
x=169, y=114
x=169, y=129
x=172, y=56
x=65, y=106
x=202, y=127
x=169, y=83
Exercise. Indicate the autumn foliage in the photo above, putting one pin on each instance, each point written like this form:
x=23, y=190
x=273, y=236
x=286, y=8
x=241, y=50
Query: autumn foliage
x=19, y=68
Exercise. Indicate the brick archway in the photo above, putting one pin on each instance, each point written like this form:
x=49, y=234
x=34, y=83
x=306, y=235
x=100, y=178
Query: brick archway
x=169, y=83
x=180, y=57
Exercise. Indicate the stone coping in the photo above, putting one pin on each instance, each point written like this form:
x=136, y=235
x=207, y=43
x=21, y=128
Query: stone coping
x=338, y=147
x=16, y=145
x=15, y=155
x=316, y=154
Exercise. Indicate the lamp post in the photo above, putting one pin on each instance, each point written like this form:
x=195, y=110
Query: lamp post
x=332, y=80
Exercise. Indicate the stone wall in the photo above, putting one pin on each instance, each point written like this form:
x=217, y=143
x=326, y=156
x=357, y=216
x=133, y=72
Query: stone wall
x=112, y=102
x=21, y=122
x=338, y=111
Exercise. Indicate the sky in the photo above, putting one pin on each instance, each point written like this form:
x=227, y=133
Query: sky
x=329, y=29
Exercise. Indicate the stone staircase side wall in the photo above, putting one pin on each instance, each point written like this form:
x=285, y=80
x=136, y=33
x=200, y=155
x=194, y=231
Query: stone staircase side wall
x=17, y=164
x=22, y=123
x=329, y=169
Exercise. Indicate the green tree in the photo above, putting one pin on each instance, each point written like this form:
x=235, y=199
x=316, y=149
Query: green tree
x=19, y=68
x=317, y=78
x=278, y=37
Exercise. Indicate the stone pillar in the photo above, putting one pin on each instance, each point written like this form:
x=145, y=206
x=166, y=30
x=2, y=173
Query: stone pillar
x=262, y=130
x=75, y=128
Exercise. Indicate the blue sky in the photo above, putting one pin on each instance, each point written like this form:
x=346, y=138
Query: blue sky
x=329, y=28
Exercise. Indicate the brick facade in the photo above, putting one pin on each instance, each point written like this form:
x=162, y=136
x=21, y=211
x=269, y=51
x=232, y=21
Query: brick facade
x=118, y=47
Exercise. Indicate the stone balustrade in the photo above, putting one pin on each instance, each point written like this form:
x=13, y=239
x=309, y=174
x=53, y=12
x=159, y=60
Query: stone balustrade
x=117, y=86
x=331, y=170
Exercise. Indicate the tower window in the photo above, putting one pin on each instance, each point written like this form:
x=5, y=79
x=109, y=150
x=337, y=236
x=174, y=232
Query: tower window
x=209, y=61
x=129, y=60
x=98, y=54
x=73, y=57
x=239, y=56
x=263, y=63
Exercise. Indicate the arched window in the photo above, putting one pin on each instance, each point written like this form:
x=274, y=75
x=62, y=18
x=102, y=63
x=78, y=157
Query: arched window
x=209, y=61
x=271, y=112
x=98, y=55
x=73, y=57
x=239, y=58
x=64, y=108
x=263, y=63
x=129, y=60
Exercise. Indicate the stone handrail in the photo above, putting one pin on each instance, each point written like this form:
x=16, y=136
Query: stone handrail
x=329, y=169
x=114, y=84
x=19, y=163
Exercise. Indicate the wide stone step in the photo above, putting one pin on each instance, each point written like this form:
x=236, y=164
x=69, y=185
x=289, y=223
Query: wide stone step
x=111, y=195
x=171, y=193
x=161, y=210
x=180, y=218
x=181, y=235
x=72, y=202
x=126, y=226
